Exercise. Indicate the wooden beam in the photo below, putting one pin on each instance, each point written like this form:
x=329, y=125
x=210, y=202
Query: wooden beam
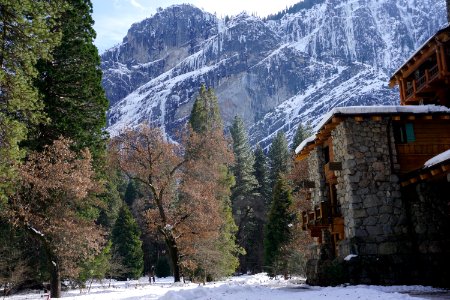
x=435, y=172
x=404, y=183
x=336, y=120
x=443, y=60
x=414, y=180
x=376, y=118
x=330, y=126
x=301, y=156
x=425, y=176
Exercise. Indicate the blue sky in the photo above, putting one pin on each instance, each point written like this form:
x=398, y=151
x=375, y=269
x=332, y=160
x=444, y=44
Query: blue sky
x=114, y=17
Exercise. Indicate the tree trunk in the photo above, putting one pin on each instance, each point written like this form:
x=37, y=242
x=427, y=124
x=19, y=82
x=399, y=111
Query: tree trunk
x=174, y=257
x=55, y=282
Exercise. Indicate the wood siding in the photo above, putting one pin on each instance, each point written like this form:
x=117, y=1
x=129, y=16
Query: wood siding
x=432, y=138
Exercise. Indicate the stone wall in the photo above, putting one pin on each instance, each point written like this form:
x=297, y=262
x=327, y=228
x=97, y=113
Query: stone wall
x=368, y=190
x=316, y=162
x=429, y=216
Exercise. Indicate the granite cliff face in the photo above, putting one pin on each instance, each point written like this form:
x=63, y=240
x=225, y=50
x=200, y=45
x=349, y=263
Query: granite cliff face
x=274, y=73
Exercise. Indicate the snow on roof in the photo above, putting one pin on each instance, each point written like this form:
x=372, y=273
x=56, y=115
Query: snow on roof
x=304, y=143
x=368, y=110
x=438, y=159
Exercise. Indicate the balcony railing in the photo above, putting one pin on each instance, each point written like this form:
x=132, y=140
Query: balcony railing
x=409, y=91
x=434, y=72
x=418, y=84
x=421, y=82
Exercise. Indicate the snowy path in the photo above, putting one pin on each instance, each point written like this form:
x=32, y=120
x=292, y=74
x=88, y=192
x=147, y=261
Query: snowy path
x=256, y=287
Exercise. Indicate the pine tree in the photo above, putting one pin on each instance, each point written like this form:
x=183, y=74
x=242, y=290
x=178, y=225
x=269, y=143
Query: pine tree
x=264, y=190
x=74, y=100
x=278, y=228
x=131, y=193
x=25, y=38
x=205, y=115
x=279, y=158
x=302, y=133
x=262, y=174
x=206, y=122
x=247, y=203
x=97, y=267
x=126, y=242
x=243, y=168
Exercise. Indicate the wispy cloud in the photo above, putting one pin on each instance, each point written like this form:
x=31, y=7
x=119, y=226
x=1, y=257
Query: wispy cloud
x=136, y=4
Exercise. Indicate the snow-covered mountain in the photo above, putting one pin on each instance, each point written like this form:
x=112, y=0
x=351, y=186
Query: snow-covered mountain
x=273, y=73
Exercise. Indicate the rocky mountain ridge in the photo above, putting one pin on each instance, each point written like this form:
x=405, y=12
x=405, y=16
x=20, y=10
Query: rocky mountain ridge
x=273, y=73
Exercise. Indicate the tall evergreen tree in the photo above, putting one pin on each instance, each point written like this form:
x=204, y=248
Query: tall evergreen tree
x=243, y=168
x=264, y=190
x=246, y=201
x=206, y=121
x=279, y=158
x=127, y=244
x=302, y=133
x=278, y=228
x=70, y=83
x=262, y=174
x=205, y=115
x=131, y=193
x=25, y=38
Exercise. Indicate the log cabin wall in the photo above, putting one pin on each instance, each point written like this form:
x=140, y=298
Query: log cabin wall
x=429, y=138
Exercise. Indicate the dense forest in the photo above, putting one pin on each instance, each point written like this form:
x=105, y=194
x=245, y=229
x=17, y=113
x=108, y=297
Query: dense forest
x=305, y=4
x=77, y=205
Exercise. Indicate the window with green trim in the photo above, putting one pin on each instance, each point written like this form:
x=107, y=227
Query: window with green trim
x=404, y=133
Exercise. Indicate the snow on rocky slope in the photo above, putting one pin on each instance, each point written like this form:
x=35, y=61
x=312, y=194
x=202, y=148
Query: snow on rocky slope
x=273, y=73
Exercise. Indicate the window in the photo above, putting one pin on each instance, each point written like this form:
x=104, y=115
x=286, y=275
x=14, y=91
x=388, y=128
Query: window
x=326, y=153
x=335, y=205
x=404, y=133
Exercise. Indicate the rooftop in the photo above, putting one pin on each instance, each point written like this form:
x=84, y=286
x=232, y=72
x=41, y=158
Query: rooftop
x=334, y=117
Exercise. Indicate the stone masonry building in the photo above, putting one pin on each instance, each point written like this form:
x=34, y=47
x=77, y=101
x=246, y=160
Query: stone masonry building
x=374, y=219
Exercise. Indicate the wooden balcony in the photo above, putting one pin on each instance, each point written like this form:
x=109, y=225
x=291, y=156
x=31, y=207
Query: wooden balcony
x=322, y=217
x=423, y=84
x=329, y=169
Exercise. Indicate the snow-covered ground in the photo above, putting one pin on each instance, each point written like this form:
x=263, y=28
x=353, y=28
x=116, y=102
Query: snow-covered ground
x=244, y=288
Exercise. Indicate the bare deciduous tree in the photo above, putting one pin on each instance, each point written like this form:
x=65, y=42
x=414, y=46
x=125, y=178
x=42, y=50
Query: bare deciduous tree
x=53, y=204
x=180, y=182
